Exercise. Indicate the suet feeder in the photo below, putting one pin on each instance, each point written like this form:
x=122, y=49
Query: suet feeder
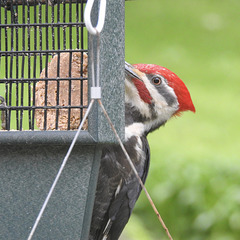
x=44, y=73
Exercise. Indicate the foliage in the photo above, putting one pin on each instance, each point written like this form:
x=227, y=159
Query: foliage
x=194, y=173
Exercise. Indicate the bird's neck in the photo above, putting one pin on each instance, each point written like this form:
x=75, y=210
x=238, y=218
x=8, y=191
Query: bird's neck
x=137, y=124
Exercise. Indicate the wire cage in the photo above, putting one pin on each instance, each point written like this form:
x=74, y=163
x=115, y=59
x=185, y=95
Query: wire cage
x=44, y=72
x=42, y=55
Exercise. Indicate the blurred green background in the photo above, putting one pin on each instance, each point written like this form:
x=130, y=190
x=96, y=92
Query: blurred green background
x=194, y=176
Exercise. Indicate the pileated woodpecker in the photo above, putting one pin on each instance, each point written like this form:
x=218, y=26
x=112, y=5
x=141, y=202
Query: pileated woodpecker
x=153, y=94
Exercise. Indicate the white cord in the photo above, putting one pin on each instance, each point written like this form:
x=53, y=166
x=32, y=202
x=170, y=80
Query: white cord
x=101, y=17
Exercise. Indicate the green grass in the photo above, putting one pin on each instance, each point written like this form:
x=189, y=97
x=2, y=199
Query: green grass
x=194, y=174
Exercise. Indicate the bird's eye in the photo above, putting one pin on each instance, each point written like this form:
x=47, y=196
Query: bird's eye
x=156, y=80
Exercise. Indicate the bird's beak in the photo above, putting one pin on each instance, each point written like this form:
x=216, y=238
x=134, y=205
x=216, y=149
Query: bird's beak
x=132, y=72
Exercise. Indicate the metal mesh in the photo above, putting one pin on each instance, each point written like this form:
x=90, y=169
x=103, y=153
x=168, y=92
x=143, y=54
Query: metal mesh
x=43, y=64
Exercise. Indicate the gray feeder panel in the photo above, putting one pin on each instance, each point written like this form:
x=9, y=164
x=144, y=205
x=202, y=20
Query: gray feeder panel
x=27, y=171
x=29, y=160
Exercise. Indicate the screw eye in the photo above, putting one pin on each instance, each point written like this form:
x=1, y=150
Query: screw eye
x=156, y=80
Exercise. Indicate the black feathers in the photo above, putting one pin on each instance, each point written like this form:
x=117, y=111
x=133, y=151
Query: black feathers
x=118, y=188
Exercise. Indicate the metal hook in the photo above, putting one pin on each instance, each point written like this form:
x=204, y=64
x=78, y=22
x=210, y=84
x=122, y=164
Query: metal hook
x=101, y=17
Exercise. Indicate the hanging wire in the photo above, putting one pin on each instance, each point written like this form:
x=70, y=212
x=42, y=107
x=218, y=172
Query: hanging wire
x=135, y=171
x=60, y=171
x=96, y=31
x=96, y=94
